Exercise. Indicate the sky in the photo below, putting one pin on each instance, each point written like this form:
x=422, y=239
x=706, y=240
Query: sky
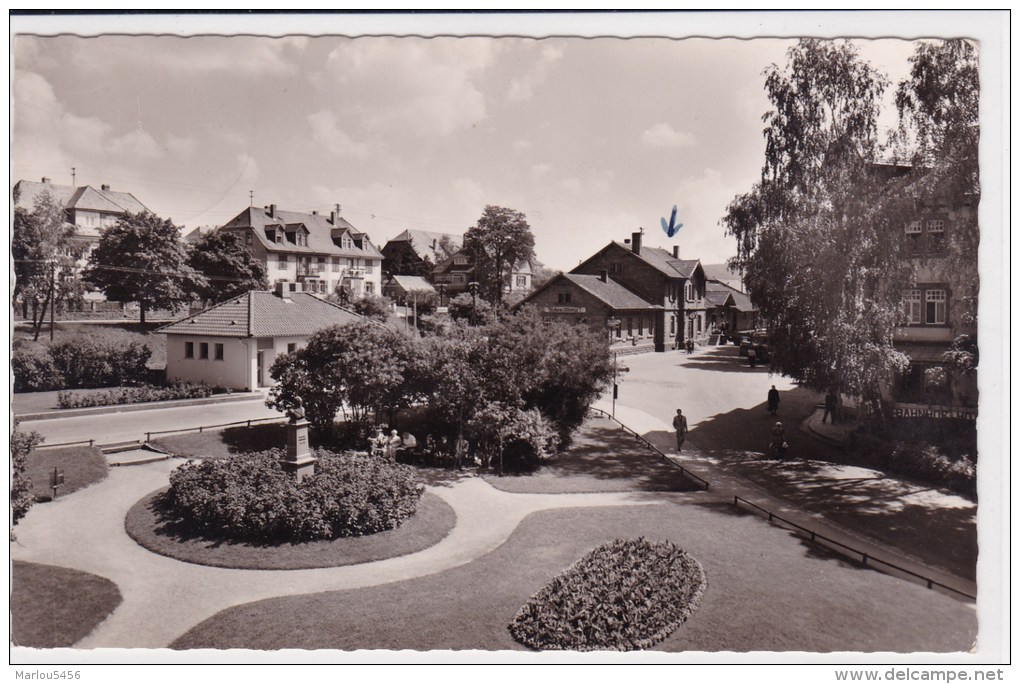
x=592, y=139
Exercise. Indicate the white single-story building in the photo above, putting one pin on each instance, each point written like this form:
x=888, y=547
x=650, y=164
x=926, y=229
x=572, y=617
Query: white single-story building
x=234, y=344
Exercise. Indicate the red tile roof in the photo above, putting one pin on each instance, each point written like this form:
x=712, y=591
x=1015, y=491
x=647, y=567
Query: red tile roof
x=320, y=232
x=263, y=314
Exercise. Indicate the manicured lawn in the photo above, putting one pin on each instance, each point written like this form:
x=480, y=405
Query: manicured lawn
x=602, y=458
x=100, y=332
x=766, y=591
x=223, y=443
x=82, y=466
x=433, y=521
x=53, y=607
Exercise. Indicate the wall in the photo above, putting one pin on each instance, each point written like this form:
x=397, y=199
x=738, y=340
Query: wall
x=234, y=371
x=595, y=314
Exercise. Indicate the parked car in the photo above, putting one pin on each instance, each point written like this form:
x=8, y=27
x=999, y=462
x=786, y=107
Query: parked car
x=760, y=343
x=745, y=344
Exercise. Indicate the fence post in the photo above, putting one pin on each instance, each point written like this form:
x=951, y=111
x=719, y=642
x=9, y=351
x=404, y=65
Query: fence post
x=249, y=422
x=199, y=428
x=864, y=558
x=148, y=436
x=90, y=442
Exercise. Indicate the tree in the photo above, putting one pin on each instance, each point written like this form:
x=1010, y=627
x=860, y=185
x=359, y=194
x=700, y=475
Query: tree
x=349, y=369
x=22, y=444
x=141, y=258
x=228, y=267
x=819, y=249
x=500, y=240
x=373, y=306
x=474, y=310
x=41, y=248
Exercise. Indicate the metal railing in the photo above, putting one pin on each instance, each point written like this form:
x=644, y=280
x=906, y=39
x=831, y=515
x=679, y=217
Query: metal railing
x=867, y=560
x=688, y=474
x=203, y=428
x=90, y=442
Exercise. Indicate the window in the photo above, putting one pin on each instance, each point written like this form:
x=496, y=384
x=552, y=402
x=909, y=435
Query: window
x=563, y=298
x=936, y=237
x=203, y=350
x=320, y=264
x=912, y=306
x=346, y=242
x=189, y=350
x=935, y=307
x=248, y=238
x=291, y=347
x=913, y=236
x=282, y=258
x=219, y=351
x=336, y=265
x=279, y=239
x=522, y=281
x=369, y=287
x=630, y=326
x=616, y=268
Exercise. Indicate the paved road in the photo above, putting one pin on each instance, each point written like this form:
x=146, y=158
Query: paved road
x=121, y=427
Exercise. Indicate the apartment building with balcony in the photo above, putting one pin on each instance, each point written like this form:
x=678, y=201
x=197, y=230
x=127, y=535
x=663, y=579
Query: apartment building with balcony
x=318, y=252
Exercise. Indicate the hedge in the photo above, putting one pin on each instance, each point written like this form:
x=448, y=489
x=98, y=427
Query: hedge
x=930, y=463
x=622, y=596
x=80, y=362
x=134, y=395
x=250, y=497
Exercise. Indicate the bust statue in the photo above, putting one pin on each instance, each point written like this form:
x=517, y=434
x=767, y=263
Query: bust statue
x=297, y=412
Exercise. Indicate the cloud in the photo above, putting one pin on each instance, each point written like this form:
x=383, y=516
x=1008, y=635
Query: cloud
x=469, y=192
x=425, y=88
x=43, y=123
x=521, y=145
x=663, y=135
x=522, y=88
x=326, y=132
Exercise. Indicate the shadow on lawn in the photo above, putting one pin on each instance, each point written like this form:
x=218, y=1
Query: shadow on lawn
x=605, y=452
x=926, y=522
x=243, y=439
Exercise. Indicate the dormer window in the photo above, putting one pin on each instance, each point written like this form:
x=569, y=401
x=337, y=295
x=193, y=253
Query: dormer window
x=346, y=242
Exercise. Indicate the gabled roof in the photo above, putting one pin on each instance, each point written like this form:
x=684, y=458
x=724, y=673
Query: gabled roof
x=263, y=314
x=656, y=257
x=609, y=292
x=715, y=288
x=422, y=242
x=86, y=198
x=320, y=232
x=409, y=283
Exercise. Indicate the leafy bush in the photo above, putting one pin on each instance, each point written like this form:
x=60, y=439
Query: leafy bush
x=624, y=595
x=84, y=362
x=929, y=463
x=21, y=485
x=35, y=372
x=251, y=498
x=134, y=395
x=525, y=438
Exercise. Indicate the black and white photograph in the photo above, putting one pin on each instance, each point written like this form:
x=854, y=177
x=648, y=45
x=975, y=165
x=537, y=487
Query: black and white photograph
x=635, y=337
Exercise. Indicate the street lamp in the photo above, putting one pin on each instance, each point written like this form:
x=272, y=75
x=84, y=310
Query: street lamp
x=613, y=323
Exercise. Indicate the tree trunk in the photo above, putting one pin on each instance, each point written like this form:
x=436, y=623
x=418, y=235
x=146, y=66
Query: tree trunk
x=141, y=311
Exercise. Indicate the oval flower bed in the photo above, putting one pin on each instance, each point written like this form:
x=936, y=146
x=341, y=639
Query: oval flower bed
x=251, y=498
x=621, y=596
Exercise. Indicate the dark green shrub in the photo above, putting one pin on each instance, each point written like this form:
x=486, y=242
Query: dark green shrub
x=22, y=498
x=134, y=395
x=251, y=498
x=86, y=363
x=930, y=463
x=35, y=372
x=624, y=595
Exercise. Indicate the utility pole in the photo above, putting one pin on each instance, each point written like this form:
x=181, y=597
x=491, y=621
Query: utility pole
x=53, y=275
x=251, y=198
x=73, y=175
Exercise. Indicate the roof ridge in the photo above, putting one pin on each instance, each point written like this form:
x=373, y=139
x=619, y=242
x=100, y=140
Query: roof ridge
x=199, y=313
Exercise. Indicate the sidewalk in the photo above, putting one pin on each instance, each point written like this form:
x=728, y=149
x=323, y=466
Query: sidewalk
x=789, y=486
x=832, y=433
x=23, y=413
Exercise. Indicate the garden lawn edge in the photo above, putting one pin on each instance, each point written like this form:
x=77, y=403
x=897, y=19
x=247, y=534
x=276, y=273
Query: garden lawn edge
x=430, y=524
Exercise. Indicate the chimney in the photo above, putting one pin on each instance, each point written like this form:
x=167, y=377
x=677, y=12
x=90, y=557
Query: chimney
x=272, y=211
x=332, y=217
x=46, y=180
x=315, y=212
x=604, y=276
x=283, y=289
x=105, y=187
x=635, y=242
x=676, y=251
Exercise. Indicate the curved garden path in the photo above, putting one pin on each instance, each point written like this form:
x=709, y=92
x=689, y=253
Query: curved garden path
x=164, y=597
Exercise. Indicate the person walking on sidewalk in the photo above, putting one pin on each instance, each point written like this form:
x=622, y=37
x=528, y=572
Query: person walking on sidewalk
x=680, y=424
x=831, y=400
x=773, y=400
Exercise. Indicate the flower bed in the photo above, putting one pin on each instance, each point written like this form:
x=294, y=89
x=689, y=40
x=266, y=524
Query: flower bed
x=251, y=498
x=622, y=596
x=133, y=395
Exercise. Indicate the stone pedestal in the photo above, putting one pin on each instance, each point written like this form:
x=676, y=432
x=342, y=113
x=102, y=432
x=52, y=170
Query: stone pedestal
x=299, y=460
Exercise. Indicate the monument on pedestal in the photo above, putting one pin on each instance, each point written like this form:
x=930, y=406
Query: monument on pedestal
x=299, y=458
